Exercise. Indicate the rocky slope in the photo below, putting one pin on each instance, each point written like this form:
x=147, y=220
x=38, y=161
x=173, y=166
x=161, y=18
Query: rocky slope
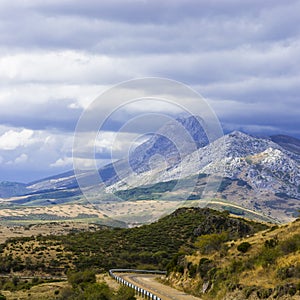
x=229, y=156
x=261, y=175
x=264, y=265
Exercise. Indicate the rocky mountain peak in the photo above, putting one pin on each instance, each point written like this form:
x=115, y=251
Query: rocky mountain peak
x=173, y=142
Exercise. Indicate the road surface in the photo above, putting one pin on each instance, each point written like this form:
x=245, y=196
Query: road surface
x=149, y=283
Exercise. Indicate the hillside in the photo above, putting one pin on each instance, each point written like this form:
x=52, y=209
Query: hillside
x=147, y=246
x=206, y=252
x=263, y=266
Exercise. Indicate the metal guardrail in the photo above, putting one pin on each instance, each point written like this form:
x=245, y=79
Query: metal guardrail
x=139, y=291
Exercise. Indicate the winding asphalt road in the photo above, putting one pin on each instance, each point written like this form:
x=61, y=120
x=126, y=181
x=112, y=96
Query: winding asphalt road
x=149, y=283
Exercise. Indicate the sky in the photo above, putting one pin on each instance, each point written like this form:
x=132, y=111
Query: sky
x=56, y=57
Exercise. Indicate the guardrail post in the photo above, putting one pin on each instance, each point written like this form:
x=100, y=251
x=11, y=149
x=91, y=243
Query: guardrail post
x=139, y=291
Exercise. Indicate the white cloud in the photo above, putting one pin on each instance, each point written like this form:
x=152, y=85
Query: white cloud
x=91, y=164
x=12, y=139
x=62, y=162
x=34, y=155
x=21, y=159
x=69, y=67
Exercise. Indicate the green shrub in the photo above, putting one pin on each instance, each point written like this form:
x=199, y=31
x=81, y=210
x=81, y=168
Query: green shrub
x=211, y=242
x=268, y=256
x=289, y=272
x=204, y=268
x=244, y=247
x=97, y=291
x=79, y=278
x=192, y=270
x=176, y=263
x=291, y=244
x=125, y=293
x=271, y=243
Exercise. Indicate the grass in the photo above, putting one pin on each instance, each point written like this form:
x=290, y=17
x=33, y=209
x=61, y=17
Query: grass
x=271, y=265
x=45, y=291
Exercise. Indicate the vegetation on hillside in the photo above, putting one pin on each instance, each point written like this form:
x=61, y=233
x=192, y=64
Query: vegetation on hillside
x=263, y=266
x=83, y=286
x=79, y=286
x=160, y=245
x=148, y=246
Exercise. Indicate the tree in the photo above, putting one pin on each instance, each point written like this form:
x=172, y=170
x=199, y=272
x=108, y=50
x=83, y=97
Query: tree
x=211, y=242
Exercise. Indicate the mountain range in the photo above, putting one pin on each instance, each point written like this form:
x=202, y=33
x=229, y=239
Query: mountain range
x=178, y=165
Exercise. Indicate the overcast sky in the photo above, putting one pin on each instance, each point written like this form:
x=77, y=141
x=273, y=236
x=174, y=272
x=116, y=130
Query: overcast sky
x=57, y=56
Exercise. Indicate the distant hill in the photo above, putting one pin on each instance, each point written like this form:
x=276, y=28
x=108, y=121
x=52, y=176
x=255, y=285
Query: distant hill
x=10, y=189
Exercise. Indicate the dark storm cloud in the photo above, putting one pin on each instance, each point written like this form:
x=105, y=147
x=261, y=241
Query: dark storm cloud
x=54, y=114
x=120, y=27
x=259, y=117
x=242, y=56
x=42, y=122
x=140, y=11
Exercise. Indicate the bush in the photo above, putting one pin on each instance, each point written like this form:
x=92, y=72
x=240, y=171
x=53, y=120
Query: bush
x=268, y=256
x=125, y=293
x=176, y=263
x=287, y=289
x=290, y=245
x=192, y=270
x=244, y=247
x=79, y=278
x=289, y=272
x=204, y=268
x=236, y=266
x=271, y=243
x=211, y=242
x=97, y=292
